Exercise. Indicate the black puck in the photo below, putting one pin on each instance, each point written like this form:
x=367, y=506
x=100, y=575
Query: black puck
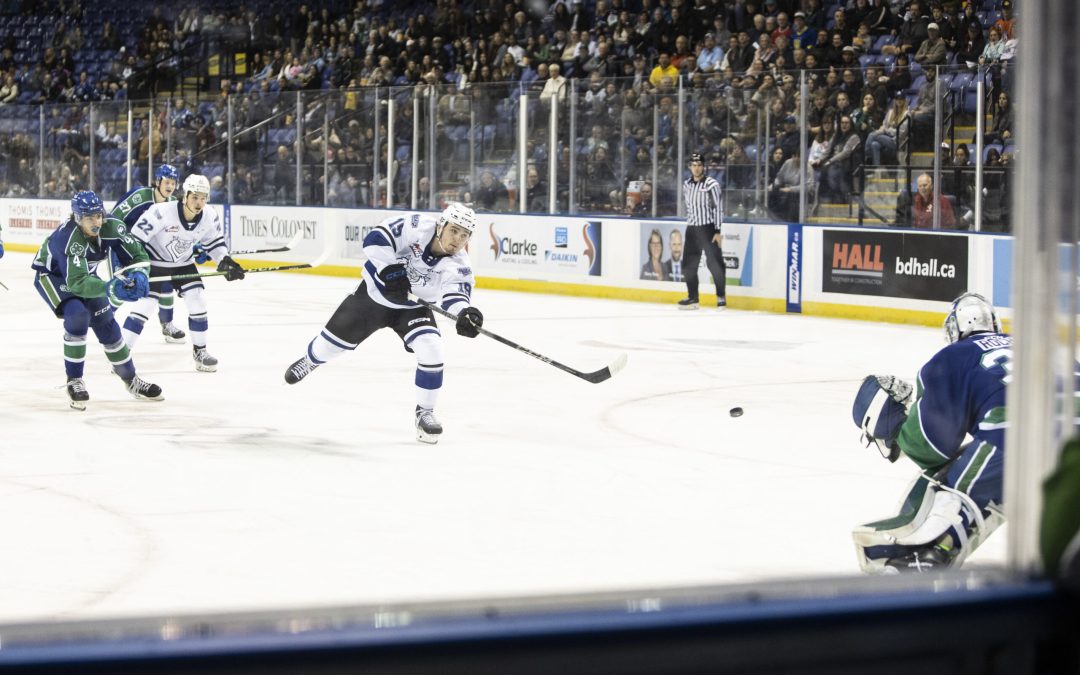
x=735, y=412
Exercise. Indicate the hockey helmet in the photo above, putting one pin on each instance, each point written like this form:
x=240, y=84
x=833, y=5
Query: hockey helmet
x=86, y=203
x=460, y=215
x=166, y=171
x=196, y=183
x=970, y=313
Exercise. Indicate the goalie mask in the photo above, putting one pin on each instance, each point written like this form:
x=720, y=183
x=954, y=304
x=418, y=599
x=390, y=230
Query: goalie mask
x=970, y=313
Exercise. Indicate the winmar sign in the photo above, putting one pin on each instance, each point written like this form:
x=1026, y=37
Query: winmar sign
x=915, y=265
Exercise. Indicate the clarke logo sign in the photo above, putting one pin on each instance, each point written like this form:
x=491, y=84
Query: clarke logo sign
x=508, y=250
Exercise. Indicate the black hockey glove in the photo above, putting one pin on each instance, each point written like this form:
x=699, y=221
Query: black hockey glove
x=396, y=285
x=231, y=268
x=469, y=322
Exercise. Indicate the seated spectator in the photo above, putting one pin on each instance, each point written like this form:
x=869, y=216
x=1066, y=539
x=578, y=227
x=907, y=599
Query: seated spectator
x=1001, y=127
x=932, y=50
x=839, y=164
x=922, y=208
x=911, y=33
x=9, y=92
x=491, y=194
x=784, y=190
x=882, y=143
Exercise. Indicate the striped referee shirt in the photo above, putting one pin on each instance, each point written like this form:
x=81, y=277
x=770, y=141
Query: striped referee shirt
x=703, y=202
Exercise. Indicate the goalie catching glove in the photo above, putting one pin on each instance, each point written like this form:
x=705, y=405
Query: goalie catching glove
x=880, y=409
x=395, y=280
x=469, y=322
x=134, y=287
x=232, y=269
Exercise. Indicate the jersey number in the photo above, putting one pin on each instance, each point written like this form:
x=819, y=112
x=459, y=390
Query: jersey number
x=145, y=227
x=999, y=357
x=397, y=226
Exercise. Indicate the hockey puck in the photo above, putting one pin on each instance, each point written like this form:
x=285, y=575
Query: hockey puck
x=735, y=412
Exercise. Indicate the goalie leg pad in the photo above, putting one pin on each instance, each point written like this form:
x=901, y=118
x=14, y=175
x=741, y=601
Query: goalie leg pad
x=880, y=415
x=932, y=517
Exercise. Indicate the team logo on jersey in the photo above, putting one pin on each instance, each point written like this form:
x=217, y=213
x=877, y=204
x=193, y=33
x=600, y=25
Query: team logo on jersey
x=77, y=249
x=136, y=198
x=417, y=251
x=120, y=230
x=464, y=271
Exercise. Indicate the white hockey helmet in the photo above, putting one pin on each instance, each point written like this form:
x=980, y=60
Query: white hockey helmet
x=460, y=215
x=970, y=313
x=196, y=183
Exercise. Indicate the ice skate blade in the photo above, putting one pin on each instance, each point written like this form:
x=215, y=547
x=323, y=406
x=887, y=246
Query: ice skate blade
x=689, y=308
x=425, y=437
x=174, y=340
x=77, y=405
x=203, y=368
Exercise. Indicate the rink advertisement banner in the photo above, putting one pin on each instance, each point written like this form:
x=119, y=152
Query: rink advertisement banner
x=663, y=244
x=912, y=265
x=537, y=245
x=254, y=227
x=795, y=247
x=29, y=221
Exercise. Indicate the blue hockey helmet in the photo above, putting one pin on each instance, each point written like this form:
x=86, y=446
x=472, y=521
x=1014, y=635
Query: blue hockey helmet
x=86, y=203
x=166, y=171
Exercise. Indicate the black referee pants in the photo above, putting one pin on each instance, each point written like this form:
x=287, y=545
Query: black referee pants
x=698, y=241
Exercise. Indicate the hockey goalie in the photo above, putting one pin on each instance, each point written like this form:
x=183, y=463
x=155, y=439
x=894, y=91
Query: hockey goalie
x=952, y=425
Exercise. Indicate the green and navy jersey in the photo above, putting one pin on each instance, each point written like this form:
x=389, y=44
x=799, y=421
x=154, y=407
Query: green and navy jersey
x=960, y=391
x=71, y=258
x=132, y=205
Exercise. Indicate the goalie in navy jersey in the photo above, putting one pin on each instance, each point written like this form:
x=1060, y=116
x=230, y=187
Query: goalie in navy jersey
x=955, y=504
x=66, y=266
x=408, y=252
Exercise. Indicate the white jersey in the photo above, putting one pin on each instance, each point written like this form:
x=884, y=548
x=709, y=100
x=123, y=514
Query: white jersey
x=168, y=237
x=406, y=238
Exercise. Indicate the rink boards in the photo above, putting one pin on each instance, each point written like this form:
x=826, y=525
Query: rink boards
x=865, y=273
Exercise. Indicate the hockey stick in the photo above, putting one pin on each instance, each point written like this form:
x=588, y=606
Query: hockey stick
x=5, y=286
x=250, y=270
x=289, y=245
x=595, y=377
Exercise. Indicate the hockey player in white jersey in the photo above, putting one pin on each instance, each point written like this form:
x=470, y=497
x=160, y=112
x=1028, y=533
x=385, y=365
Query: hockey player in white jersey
x=170, y=231
x=407, y=252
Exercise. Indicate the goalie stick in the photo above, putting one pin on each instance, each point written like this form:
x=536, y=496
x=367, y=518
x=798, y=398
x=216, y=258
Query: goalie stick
x=595, y=376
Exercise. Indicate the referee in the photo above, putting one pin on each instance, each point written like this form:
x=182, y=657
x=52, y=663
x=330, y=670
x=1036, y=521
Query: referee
x=703, y=203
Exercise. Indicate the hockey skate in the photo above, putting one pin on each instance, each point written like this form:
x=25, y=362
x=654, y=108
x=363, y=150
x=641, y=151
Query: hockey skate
x=721, y=303
x=299, y=370
x=688, y=303
x=428, y=428
x=142, y=390
x=172, y=333
x=203, y=361
x=76, y=391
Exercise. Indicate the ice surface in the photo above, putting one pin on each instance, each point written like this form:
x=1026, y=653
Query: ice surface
x=241, y=492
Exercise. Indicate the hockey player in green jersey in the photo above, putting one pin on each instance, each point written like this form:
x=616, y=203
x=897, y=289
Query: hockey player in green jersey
x=129, y=209
x=66, y=264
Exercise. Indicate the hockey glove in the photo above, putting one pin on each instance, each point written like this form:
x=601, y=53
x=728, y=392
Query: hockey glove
x=880, y=409
x=231, y=268
x=469, y=322
x=136, y=286
x=396, y=285
x=201, y=256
